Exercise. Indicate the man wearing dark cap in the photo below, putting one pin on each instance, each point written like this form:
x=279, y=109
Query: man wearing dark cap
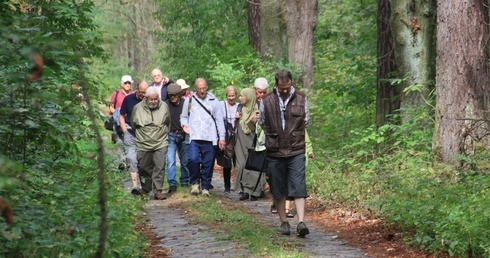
x=176, y=140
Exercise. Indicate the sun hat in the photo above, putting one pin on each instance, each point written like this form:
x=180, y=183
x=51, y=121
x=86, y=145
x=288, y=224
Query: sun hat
x=182, y=84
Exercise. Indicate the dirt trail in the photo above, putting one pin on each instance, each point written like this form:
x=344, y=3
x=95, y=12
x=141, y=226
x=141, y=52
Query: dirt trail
x=180, y=236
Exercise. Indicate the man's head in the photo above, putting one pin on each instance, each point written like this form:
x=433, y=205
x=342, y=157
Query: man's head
x=260, y=85
x=174, y=92
x=284, y=81
x=157, y=76
x=126, y=82
x=201, y=88
x=152, y=97
x=141, y=90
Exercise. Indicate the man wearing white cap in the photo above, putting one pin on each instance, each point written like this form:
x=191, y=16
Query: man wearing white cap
x=115, y=107
x=260, y=86
x=185, y=94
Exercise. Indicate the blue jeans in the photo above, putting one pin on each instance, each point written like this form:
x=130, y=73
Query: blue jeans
x=201, y=162
x=173, y=147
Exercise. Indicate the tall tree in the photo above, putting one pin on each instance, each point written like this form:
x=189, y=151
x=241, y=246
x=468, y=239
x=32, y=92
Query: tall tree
x=254, y=24
x=273, y=36
x=387, y=98
x=463, y=81
x=413, y=27
x=301, y=20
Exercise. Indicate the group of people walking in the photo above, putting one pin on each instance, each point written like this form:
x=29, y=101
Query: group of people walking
x=162, y=120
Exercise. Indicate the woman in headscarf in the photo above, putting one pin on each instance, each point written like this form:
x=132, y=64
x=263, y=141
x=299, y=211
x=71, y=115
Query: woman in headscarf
x=247, y=181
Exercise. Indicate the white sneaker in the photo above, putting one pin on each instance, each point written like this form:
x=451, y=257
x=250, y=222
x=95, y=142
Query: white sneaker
x=195, y=189
x=205, y=192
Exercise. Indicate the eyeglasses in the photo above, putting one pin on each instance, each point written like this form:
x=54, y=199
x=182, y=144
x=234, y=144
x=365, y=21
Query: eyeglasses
x=156, y=75
x=127, y=82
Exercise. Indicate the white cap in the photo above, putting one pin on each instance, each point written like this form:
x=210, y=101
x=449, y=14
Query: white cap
x=261, y=84
x=182, y=84
x=126, y=78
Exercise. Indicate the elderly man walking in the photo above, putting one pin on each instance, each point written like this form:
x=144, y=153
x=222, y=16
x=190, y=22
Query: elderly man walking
x=128, y=133
x=202, y=120
x=151, y=122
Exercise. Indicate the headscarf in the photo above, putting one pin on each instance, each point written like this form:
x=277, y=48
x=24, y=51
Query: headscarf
x=248, y=109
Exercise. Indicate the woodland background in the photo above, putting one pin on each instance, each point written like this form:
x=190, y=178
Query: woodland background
x=398, y=90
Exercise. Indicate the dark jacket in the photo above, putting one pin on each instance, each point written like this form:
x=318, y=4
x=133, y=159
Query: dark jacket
x=164, y=93
x=290, y=141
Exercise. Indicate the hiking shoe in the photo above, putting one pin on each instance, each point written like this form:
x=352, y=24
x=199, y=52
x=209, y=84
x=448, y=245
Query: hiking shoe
x=195, y=189
x=302, y=230
x=136, y=191
x=172, y=189
x=227, y=190
x=160, y=196
x=285, y=228
x=205, y=192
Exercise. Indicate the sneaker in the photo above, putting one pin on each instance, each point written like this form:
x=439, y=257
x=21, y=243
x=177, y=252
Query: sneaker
x=136, y=191
x=160, y=196
x=227, y=190
x=172, y=189
x=122, y=166
x=302, y=230
x=289, y=214
x=195, y=189
x=285, y=228
x=205, y=192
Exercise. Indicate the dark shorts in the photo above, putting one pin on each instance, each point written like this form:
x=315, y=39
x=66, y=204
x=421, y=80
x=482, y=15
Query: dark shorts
x=287, y=176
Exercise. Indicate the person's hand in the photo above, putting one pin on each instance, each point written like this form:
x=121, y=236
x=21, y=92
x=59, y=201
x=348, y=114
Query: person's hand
x=186, y=129
x=222, y=144
x=238, y=115
x=255, y=117
x=166, y=79
x=312, y=155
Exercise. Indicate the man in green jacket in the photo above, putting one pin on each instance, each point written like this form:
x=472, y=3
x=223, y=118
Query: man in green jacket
x=151, y=122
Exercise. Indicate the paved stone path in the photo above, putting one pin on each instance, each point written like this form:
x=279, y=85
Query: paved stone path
x=183, y=237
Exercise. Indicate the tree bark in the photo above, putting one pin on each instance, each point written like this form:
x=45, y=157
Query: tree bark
x=273, y=36
x=462, y=86
x=301, y=20
x=387, y=98
x=413, y=26
x=254, y=24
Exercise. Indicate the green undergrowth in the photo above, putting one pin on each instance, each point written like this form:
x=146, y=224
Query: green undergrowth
x=56, y=211
x=390, y=173
x=240, y=226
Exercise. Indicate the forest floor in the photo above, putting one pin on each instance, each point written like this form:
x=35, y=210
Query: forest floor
x=333, y=232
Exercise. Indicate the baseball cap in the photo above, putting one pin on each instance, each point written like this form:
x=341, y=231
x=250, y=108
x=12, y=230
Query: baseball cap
x=127, y=78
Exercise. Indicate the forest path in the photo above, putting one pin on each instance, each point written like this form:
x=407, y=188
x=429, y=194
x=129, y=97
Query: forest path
x=181, y=236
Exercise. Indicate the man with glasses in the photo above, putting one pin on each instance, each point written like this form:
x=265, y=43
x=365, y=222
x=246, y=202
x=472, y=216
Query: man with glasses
x=151, y=123
x=283, y=116
x=116, y=100
x=129, y=136
x=201, y=119
x=161, y=83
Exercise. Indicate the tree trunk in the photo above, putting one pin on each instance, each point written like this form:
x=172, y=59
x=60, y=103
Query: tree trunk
x=413, y=27
x=387, y=98
x=301, y=20
x=463, y=81
x=273, y=36
x=254, y=24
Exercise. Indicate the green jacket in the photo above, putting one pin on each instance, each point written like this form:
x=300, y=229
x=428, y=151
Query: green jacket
x=151, y=126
